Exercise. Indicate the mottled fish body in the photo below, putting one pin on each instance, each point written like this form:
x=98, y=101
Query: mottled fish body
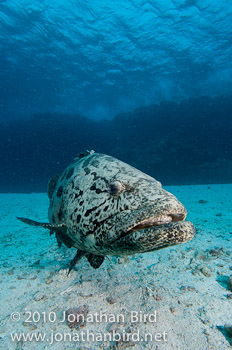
x=103, y=206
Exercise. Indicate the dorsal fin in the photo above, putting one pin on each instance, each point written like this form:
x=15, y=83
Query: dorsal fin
x=52, y=185
x=84, y=154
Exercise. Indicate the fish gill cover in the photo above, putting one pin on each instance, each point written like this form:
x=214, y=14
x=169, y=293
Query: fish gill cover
x=99, y=58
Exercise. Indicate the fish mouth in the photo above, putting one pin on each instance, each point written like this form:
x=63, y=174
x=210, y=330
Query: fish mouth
x=155, y=233
x=152, y=223
x=155, y=221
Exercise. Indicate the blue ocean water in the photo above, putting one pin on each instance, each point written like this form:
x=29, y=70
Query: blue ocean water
x=116, y=63
x=149, y=82
x=99, y=58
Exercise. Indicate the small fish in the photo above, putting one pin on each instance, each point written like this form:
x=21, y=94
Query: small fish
x=103, y=206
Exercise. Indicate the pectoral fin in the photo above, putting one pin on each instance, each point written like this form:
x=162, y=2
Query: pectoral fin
x=41, y=224
x=60, y=230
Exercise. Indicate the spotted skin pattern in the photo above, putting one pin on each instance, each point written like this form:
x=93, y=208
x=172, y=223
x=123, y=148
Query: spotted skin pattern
x=94, y=217
x=103, y=206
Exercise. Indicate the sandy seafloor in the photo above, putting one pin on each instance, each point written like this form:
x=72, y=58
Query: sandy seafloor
x=186, y=287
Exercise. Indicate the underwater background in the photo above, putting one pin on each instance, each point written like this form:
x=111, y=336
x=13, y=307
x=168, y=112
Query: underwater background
x=149, y=82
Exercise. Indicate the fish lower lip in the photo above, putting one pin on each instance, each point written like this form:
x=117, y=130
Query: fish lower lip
x=158, y=221
x=177, y=217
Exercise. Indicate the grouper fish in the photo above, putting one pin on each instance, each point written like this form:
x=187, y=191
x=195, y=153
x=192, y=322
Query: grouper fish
x=103, y=206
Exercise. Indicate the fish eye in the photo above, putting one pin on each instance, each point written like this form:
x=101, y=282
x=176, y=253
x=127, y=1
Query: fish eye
x=116, y=188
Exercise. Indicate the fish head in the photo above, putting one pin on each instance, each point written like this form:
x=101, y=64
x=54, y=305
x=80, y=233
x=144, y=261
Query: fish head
x=123, y=211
